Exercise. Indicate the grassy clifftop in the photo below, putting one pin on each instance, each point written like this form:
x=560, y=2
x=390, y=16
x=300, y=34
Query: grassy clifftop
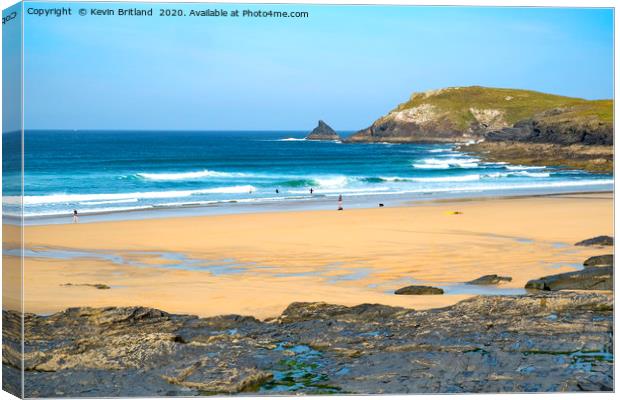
x=515, y=125
x=459, y=114
x=460, y=104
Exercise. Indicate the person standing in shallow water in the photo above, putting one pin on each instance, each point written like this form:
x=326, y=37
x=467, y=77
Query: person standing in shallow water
x=311, y=190
x=75, y=217
x=340, y=203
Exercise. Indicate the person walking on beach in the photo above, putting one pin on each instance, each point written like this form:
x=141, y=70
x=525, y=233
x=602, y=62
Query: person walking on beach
x=75, y=217
x=340, y=203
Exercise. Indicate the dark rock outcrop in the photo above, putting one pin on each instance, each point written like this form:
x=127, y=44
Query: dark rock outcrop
x=418, y=290
x=563, y=132
x=601, y=278
x=489, y=280
x=548, y=341
x=606, y=260
x=323, y=132
x=591, y=158
x=597, y=241
x=392, y=131
x=573, y=136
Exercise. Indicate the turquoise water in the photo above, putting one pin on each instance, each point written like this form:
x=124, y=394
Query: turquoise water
x=106, y=172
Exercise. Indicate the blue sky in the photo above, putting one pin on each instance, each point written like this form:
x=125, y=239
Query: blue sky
x=345, y=65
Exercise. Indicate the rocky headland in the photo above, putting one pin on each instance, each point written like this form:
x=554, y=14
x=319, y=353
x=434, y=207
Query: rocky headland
x=518, y=126
x=547, y=341
x=323, y=132
x=598, y=159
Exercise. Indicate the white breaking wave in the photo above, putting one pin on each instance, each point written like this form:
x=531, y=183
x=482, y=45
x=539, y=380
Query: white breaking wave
x=520, y=167
x=180, y=176
x=431, y=166
x=335, y=182
x=476, y=187
x=519, y=173
x=291, y=139
x=446, y=163
x=469, y=188
x=463, y=178
x=531, y=174
x=394, y=179
x=93, y=203
x=76, y=198
x=86, y=211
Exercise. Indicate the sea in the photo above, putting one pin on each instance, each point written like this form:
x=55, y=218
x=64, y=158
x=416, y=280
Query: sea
x=137, y=174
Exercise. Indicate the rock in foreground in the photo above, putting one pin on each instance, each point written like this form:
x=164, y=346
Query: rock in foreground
x=323, y=132
x=542, y=342
x=418, y=290
x=597, y=241
x=606, y=260
x=601, y=278
x=489, y=280
x=100, y=286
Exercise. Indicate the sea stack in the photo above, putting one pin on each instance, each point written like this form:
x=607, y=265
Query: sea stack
x=323, y=132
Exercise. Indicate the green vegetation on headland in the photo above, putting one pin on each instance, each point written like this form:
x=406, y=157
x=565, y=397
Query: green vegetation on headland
x=513, y=105
x=568, y=126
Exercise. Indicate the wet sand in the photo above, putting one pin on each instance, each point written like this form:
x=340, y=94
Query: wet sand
x=257, y=264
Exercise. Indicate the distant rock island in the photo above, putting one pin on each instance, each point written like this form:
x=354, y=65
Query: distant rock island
x=509, y=124
x=323, y=132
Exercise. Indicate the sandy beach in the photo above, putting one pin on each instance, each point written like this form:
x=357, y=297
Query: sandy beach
x=257, y=264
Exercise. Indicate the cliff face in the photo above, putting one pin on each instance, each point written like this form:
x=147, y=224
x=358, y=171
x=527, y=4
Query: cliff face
x=323, y=132
x=565, y=126
x=460, y=114
x=417, y=125
x=578, y=136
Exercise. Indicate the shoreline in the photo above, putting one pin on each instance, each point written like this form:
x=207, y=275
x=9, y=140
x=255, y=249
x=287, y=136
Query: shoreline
x=221, y=264
x=319, y=202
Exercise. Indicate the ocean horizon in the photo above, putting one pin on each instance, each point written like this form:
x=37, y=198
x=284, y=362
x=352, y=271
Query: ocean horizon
x=104, y=172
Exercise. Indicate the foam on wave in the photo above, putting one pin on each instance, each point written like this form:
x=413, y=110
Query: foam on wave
x=447, y=163
x=76, y=198
x=180, y=176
